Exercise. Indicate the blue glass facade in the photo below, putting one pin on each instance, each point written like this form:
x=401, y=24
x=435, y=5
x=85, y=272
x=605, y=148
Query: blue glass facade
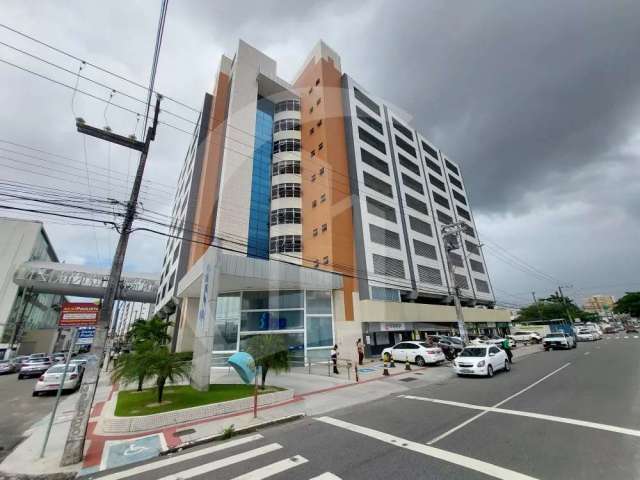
x=258, y=237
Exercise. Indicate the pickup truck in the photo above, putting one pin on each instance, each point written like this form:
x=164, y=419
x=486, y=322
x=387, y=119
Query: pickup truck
x=526, y=337
x=555, y=340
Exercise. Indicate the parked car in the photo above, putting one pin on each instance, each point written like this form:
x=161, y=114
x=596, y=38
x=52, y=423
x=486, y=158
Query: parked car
x=34, y=367
x=8, y=366
x=50, y=380
x=631, y=329
x=584, y=335
x=555, y=340
x=37, y=355
x=59, y=356
x=526, y=337
x=481, y=360
x=415, y=352
x=610, y=329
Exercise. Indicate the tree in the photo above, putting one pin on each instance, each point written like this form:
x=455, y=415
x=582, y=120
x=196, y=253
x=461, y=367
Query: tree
x=270, y=352
x=153, y=330
x=629, y=303
x=553, y=308
x=166, y=365
x=134, y=366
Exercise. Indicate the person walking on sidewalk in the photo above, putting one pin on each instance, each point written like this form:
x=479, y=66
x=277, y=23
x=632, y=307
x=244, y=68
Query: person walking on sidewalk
x=507, y=348
x=360, y=348
x=334, y=359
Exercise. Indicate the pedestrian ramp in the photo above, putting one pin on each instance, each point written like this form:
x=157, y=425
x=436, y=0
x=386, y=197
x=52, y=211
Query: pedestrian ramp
x=248, y=457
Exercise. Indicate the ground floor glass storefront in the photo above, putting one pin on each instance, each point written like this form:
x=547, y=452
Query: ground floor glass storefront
x=303, y=318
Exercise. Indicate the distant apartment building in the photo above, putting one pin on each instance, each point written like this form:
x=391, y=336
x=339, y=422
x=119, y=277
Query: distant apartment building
x=21, y=309
x=325, y=208
x=600, y=304
x=126, y=313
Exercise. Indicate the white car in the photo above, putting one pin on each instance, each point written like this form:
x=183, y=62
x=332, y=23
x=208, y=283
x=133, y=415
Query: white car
x=481, y=360
x=556, y=340
x=50, y=380
x=584, y=335
x=415, y=352
x=526, y=337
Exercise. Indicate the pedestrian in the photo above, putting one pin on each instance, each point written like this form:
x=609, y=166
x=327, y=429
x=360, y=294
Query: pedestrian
x=507, y=348
x=334, y=359
x=360, y=348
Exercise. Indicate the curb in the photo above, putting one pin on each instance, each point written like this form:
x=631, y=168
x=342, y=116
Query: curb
x=240, y=431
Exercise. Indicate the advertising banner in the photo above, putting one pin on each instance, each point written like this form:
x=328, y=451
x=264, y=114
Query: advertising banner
x=79, y=315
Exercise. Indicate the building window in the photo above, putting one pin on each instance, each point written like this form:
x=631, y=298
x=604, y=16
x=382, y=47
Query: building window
x=311, y=109
x=286, y=145
x=408, y=164
x=430, y=150
x=451, y=167
x=472, y=247
x=317, y=82
x=455, y=181
x=369, y=120
x=313, y=177
x=416, y=204
x=378, y=185
x=319, y=124
x=310, y=90
x=412, y=184
x=440, y=200
x=456, y=259
x=285, y=243
x=444, y=218
x=361, y=97
x=390, y=267
x=429, y=275
x=318, y=101
x=437, y=183
x=385, y=237
x=373, y=161
x=312, y=153
x=316, y=263
x=476, y=266
x=286, y=166
x=283, y=216
x=325, y=260
x=324, y=227
x=461, y=281
x=320, y=146
x=482, y=286
x=459, y=197
x=463, y=213
x=372, y=141
x=311, y=131
x=402, y=129
x=379, y=209
x=285, y=190
x=424, y=249
x=315, y=232
x=321, y=172
x=420, y=226
x=385, y=294
x=286, y=124
x=469, y=231
x=323, y=198
x=314, y=204
x=433, y=165
x=405, y=146
x=288, y=106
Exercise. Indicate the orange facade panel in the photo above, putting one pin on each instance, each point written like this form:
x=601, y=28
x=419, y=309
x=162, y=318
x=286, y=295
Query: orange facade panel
x=209, y=182
x=327, y=225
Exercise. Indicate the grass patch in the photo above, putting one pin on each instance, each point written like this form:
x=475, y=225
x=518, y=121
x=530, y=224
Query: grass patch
x=132, y=403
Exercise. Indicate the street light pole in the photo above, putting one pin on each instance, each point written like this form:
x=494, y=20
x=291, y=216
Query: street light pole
x=450, y=235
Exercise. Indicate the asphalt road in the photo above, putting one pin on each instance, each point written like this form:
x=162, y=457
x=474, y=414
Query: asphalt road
x=19, y=410
x=399, y=437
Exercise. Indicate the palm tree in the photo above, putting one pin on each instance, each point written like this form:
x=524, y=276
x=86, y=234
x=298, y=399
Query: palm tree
x=166, y=365
x=270, y=353
x=153, y=330
x=134, y=366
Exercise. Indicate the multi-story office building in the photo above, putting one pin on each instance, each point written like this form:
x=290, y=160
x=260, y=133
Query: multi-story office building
x=600, y=304
x=325, y=207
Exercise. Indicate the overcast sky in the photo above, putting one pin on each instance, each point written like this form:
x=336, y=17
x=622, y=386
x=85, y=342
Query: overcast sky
x=539, y=102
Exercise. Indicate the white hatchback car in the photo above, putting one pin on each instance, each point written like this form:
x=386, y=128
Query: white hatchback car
x=481, y=360
x=415, y=352
x=50, y=380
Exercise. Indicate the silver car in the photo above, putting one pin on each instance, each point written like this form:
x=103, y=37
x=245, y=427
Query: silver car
x=8, y=366
x=34, y=367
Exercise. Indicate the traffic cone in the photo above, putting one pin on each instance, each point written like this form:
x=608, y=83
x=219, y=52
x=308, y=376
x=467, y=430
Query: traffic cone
x=407, y=366
x=385, y=372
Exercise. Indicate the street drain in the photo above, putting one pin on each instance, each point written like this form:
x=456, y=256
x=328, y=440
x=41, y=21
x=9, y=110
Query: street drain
x=187, y=431
x=408, y=379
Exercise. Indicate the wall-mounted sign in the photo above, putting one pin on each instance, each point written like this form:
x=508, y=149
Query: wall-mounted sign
x=79, y=314
x=393, y=327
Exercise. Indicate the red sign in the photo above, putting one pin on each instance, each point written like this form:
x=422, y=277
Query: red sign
x=79, y=314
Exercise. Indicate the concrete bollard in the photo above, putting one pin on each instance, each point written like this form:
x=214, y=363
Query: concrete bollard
x=385, y=371
x=407, y=366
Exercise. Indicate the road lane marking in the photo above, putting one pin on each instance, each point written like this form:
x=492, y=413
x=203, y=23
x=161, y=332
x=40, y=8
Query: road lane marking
x=587, y=353
x=635, y=336
x=455, y=458
x=475, y=417
x=274, y=468
x=180, y=458
x=626, y=337
x=326, y=476
x=224, y=462
x=540, y=416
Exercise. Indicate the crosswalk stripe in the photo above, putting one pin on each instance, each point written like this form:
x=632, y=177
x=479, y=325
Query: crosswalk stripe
x=269, y=470
x=181, y=458
x=454, y=458
x=224, y=462
x=326, y=476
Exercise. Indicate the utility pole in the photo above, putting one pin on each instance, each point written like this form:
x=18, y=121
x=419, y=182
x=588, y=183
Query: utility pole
x=450, y=235
x=564, y=302
x=535, y=300
x=74, y=447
